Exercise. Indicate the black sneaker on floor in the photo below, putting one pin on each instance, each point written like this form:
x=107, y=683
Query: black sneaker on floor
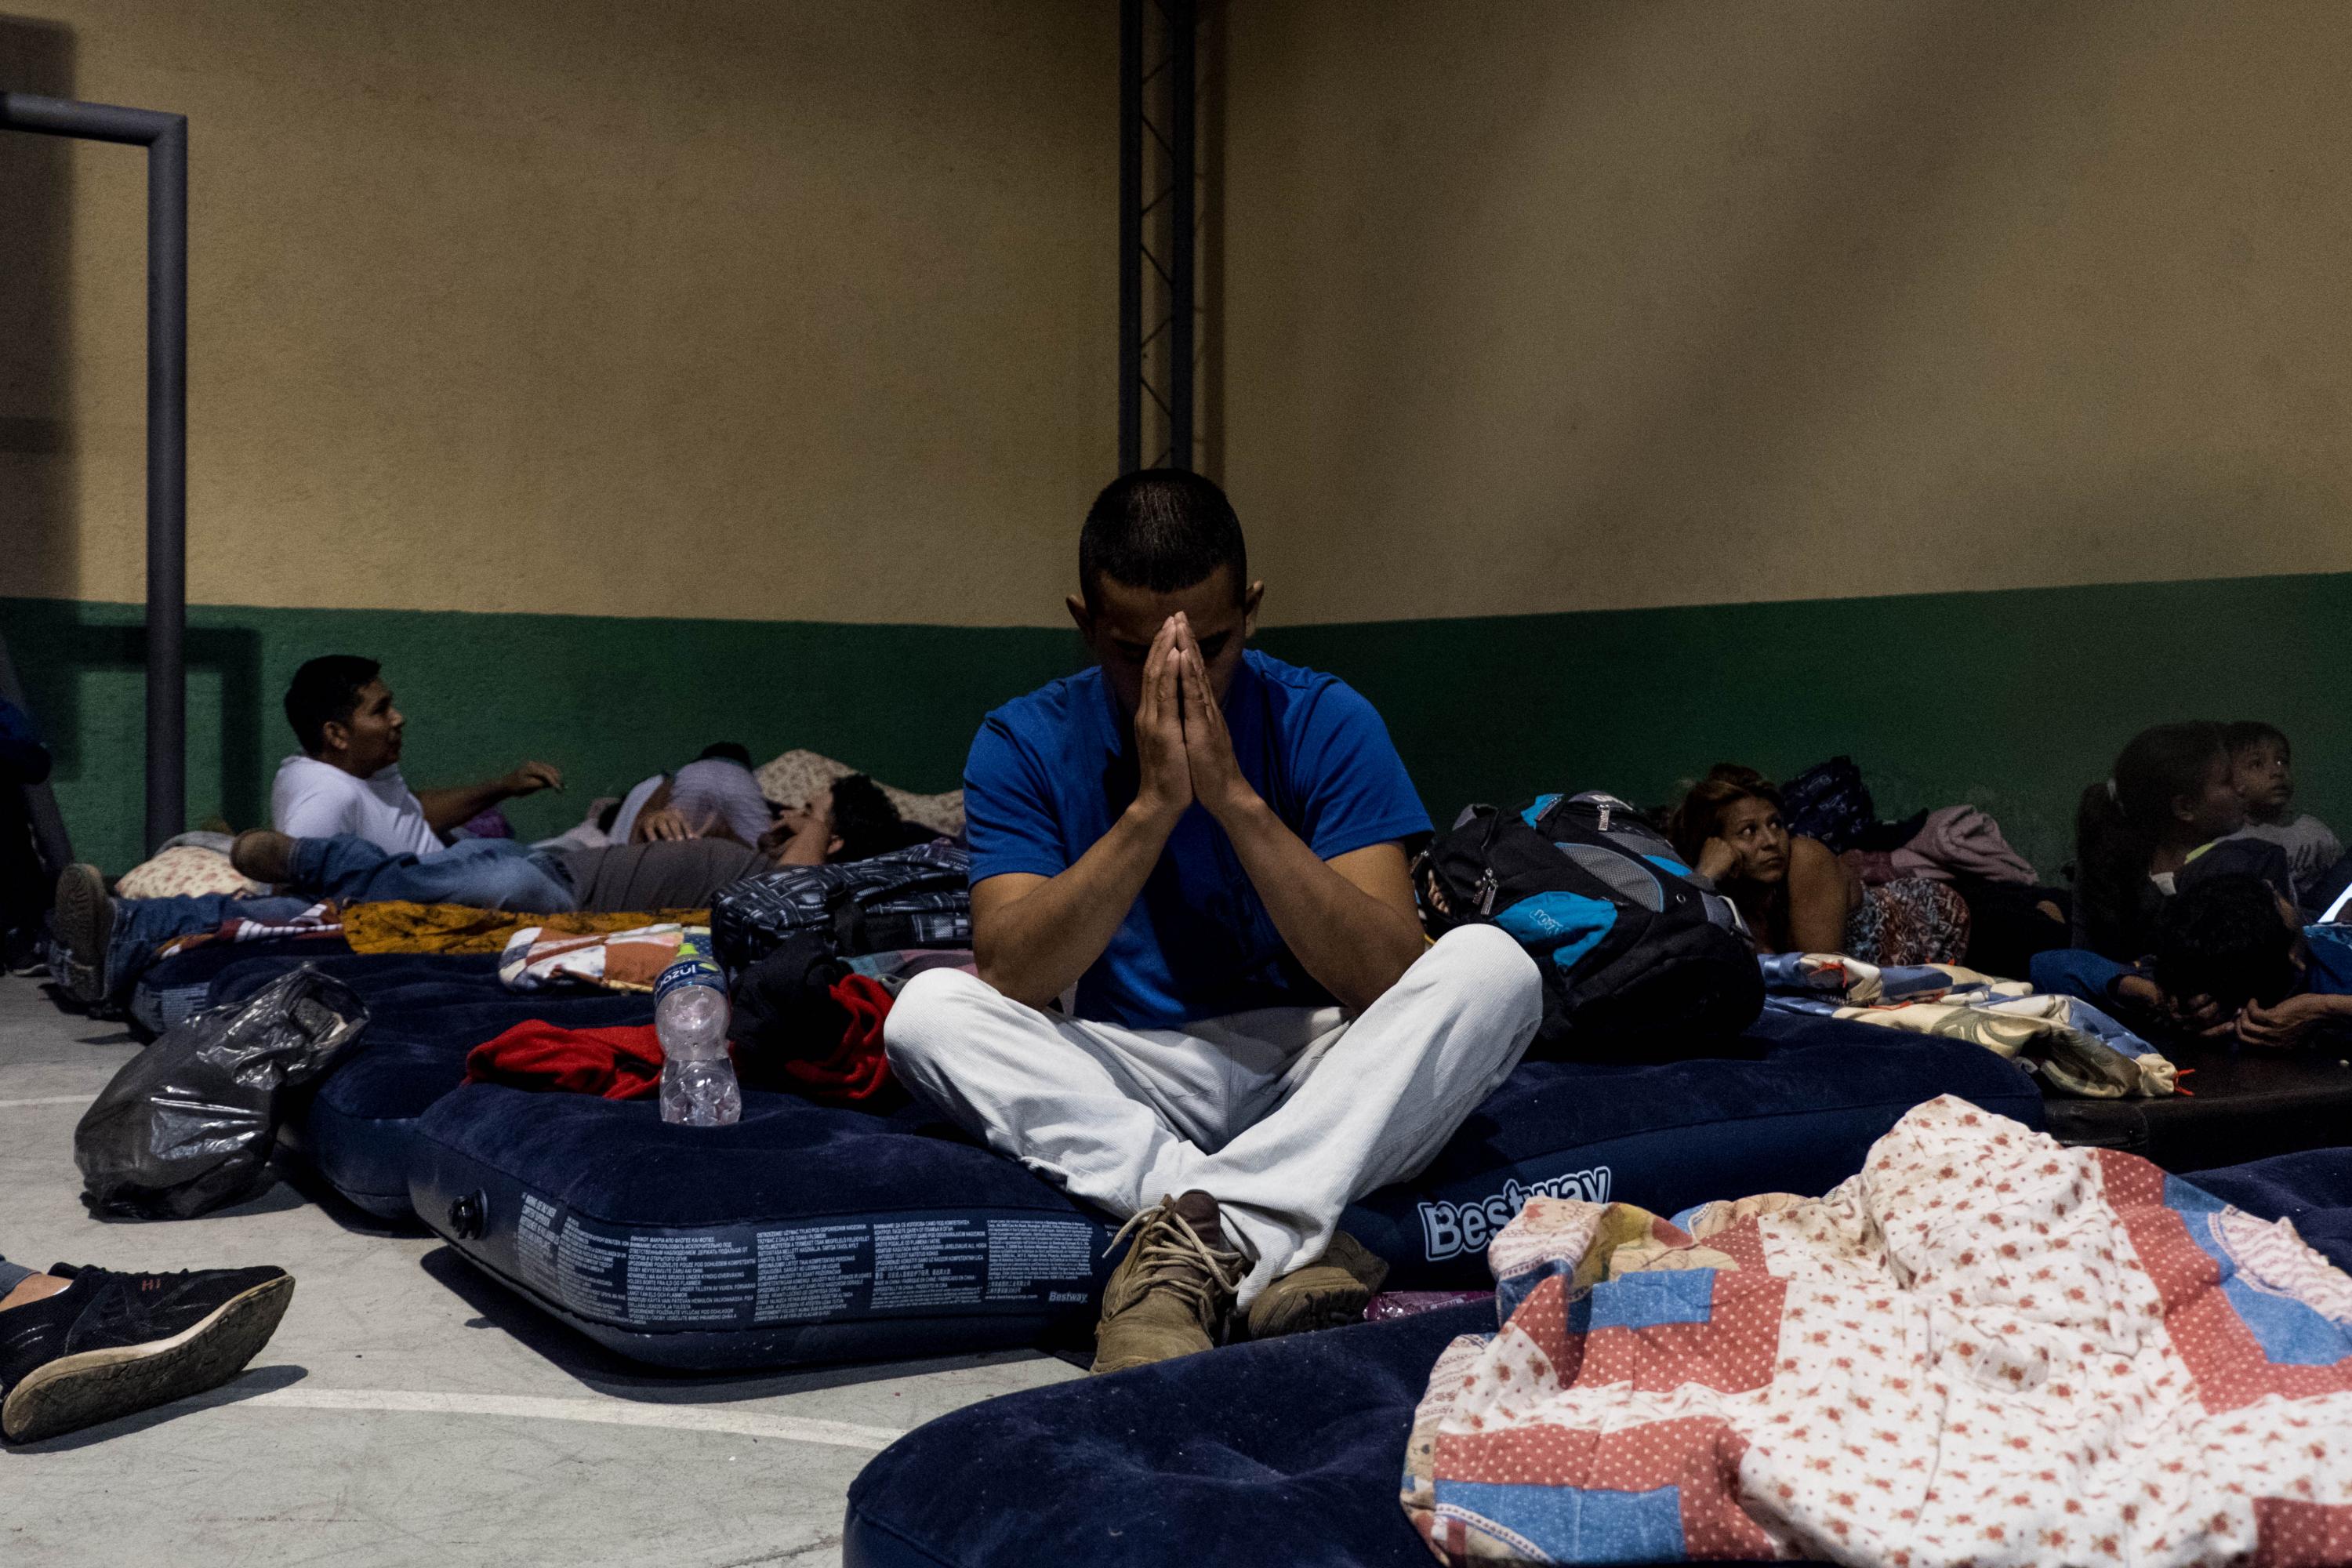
x=110, y=1344
x=83, y=922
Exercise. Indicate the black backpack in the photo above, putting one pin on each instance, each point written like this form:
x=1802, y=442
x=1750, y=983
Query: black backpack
x=1640, y=959
x=908, y=898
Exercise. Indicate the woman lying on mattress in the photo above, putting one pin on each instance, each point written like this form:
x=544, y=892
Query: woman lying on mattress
x=1794, y=893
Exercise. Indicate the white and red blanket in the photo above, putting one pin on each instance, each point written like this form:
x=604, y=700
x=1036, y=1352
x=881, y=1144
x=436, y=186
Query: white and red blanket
x=1984, y=1349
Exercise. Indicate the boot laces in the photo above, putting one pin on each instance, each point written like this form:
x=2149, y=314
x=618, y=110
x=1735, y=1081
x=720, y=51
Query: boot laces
x=1171, y=1256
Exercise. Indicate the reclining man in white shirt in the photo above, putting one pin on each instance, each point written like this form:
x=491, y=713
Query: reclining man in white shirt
x=349, y=829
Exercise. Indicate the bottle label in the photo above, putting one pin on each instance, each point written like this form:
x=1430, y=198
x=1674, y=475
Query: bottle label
x=693, y=966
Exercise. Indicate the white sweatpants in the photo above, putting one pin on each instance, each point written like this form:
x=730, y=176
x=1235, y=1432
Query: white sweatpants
x=1285, y=1115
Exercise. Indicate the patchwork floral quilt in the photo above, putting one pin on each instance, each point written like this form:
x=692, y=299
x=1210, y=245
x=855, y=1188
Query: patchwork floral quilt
x=1983, y=1349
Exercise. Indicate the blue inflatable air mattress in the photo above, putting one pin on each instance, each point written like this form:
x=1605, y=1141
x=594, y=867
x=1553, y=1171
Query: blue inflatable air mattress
x=811, y=1233
x=356, y=1125
x=1284, y=1452
x=814, y=1233
x=171, y=990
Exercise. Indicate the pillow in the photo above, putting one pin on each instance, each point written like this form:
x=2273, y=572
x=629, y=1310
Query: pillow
x=187, y=872
x=797, y=777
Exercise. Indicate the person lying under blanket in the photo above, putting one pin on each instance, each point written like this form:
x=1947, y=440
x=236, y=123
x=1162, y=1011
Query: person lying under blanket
x=1206, y=849
x=1795, y=894
x=2232, y=959
x=101, y=945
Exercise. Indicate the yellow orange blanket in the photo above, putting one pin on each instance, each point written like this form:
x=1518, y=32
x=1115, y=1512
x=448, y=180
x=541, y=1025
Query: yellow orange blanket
x=458, y=928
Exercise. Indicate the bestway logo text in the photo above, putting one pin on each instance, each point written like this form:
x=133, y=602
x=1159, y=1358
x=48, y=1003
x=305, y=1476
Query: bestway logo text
x=1448, y=1230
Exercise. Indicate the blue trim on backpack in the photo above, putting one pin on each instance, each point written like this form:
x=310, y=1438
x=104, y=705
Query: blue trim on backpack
x=1566, y=925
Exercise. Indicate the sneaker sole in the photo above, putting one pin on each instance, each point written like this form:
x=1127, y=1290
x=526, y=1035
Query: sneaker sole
x=85, y=922
x=77, y=1390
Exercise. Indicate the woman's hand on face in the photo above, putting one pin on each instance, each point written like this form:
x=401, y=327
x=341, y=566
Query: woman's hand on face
x=1716, y=861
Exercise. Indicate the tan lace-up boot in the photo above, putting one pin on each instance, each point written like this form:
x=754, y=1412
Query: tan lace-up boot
x=1332, y=1290
x=1172, y=1293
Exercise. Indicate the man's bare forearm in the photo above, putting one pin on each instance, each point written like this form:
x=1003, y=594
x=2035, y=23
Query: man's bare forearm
x=1036, y=947
x=1354, y=945
x=448, y=808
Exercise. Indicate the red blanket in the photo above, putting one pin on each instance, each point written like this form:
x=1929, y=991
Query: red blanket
x=857, y=1069
x=625, y=1062
x=622, y=1062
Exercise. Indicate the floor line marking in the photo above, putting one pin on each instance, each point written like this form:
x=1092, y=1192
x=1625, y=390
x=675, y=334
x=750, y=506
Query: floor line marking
x=597, y=1412
x=48, y=1099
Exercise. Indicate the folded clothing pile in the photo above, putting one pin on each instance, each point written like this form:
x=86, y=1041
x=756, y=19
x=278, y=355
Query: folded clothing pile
x=632, y=960
x=2070, y=1046
x=808, y=1020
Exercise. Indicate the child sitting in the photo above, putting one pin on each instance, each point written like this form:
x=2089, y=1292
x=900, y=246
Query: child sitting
x=2232, y=959
x=2171, y=796
x=2261, y=763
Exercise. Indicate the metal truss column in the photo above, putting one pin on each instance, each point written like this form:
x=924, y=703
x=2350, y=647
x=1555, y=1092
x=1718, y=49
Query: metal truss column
x=1159, y=232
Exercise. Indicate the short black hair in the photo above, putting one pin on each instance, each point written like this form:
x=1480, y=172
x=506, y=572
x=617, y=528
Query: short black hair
x=728, y=751
x=867, y=823
x=1161, y=530
x=2248, y=732
x=324, y=692
x=2225, y=938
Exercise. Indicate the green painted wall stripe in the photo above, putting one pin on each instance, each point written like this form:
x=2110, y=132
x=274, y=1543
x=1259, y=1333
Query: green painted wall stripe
x=608, y=700
x=2013, y=701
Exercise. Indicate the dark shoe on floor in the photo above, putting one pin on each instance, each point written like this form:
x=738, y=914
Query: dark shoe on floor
x=1332, y=1290
x=263, y=855
x=110, y=1344
x=83, y=921
x=1172, y=1293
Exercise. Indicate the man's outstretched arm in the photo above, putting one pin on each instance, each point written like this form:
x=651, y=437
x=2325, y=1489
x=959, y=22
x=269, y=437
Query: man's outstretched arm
x=448, y=808
x=1034, y=936
x=1350, y=920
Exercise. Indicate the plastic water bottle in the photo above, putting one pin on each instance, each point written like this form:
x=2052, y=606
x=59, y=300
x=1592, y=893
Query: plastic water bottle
x=697, y=1083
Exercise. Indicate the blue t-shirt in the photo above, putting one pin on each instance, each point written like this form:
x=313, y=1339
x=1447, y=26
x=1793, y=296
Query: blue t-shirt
x=1051, y=770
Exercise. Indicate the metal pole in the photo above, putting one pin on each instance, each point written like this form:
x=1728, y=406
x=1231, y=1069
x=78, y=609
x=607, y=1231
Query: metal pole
x=1183, y=242
x=167, y=484
x=1130, y=236
x=165, y=137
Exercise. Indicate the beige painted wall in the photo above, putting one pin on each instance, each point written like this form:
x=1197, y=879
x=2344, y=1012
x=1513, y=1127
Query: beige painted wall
x=1538, y=305
x=768, y=308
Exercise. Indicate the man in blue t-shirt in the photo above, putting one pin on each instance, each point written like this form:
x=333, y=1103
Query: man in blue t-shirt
x=1200, y=853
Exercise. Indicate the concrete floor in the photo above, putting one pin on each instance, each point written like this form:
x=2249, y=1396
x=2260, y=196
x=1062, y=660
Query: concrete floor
x=409, y=1411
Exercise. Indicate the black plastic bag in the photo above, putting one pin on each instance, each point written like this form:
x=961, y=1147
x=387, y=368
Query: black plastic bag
x=187, y=1125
